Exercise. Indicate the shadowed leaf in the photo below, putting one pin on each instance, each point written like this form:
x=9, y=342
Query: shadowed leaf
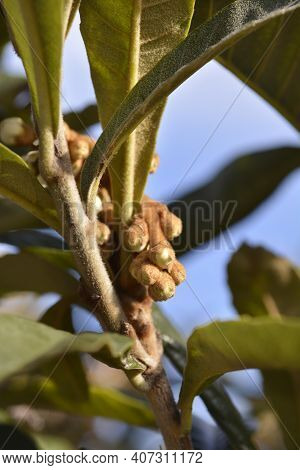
x=101, y=401
x=18, y=183
x=38, y=29
x=263, y=283
x=26, y=344
x=267, y=60
x=124, y=40
x=27, y=272
x=221, y=347
x=235, y=192
x=207, y=41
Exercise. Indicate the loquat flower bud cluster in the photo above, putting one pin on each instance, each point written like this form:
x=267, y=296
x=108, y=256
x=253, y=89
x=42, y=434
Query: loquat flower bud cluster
x=155, y=266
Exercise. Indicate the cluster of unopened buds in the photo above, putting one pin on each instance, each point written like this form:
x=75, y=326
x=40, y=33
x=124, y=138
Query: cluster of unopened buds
x=14, y=132
x=155, y=266
x=148, y=236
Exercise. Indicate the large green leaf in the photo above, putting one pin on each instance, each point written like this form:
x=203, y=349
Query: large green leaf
x=207, y=41
x=59, y=257
x=267, y=60
x=124, y=40
x=235, y=192
x=101, y=401
x=69, y=374
x=26, y=344
x=215, y=397
x=220, y=347
x=38, y=29
x=31, y=238
x=27, y=272
x=18, y=183
x=13, y=217
x=265, y=284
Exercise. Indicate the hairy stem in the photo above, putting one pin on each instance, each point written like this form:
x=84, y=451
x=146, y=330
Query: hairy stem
x=166, y=412
x=78, y=230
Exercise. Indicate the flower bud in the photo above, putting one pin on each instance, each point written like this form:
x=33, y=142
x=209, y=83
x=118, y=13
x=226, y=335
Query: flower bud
x=143, y=271
x=31, y=157
x=14, y=131
x=170, y=224
x=136, y=237
x=69, y=133
x=154, y=163
x=98, y=205
x=42, y=181
x=79, y=149
x=76, y=167
x=163, y=289
x=178, y=272
x=162, y=255
x=102, y=234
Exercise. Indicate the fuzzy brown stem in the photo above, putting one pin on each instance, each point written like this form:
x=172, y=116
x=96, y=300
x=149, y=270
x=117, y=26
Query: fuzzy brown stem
x=165, y=410
x=78, y=229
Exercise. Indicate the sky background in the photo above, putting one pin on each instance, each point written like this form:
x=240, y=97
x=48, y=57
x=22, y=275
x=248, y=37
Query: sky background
x=215, y=114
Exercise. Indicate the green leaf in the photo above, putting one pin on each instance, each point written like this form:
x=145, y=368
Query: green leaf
x=31, y=238
x=69, y=374
x=264, y=284
x=13, y=217
x=38, y=29
x=26, y=344
x=234, y=193
x=62, y=258
x=12, y=438
x=267, y=60
x=19, y=184
x=82, y=119
x=220, y=347
x=27, y=272
x=101, y=401
x=125, y=40
x=215, y=397
x=205, y=43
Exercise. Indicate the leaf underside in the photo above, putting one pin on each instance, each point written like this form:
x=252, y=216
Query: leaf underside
x=220, y=347
x=265, y=284
x=203, y=44
x=267, y=60
x=124, y=41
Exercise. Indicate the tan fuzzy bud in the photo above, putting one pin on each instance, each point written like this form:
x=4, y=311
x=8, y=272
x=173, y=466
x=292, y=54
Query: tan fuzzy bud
x=136, y=237
x=178, y=272
x=69, y=133
x=14, y=131
x=163, y=289
x=143, y=271
x=170, y=224
x=31, y=157
x=42, y=181
x=98, y=205
x=162, y=255
x=102, y=234
x=154, y=163
x=76, y=167
x=79, y=149
x=137, y=262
